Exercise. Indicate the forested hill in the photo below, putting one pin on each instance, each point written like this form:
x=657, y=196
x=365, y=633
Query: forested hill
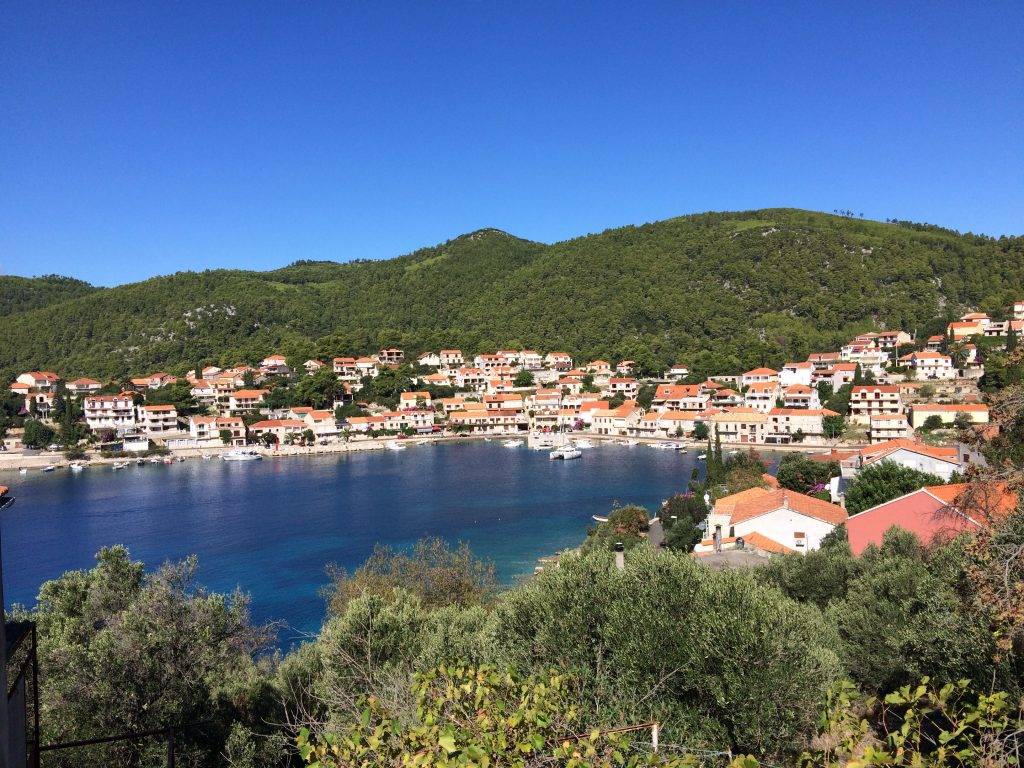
x=19, y=294
x=724, y=291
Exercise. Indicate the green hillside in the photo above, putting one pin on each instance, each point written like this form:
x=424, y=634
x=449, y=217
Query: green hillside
x=20, y=294
x=722, y=290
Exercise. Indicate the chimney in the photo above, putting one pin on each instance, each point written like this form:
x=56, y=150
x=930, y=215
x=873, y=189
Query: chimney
x=620, y=556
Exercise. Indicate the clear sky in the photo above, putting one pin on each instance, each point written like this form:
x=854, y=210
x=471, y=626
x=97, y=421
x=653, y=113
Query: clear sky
x=141, y=138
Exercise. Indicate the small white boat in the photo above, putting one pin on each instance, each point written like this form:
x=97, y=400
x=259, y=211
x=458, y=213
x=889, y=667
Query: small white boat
x=512, y=443
x=154, y=460
x=631, y=443
x=120, y=464
x=49, y=468
x=23, y=471
x=583, y=444
x=701, y=456
x=565, y=453
x=394, y=445
x=168, y=460
x=77, y=466
x=241, y=454
x=207, y=456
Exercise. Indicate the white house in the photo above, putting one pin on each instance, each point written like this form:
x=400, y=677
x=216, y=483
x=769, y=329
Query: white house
x=796, y=373
x=759, y=376
x=429, y=360
x=115, y=412
x=761, y=396
x=245, y=401
x=772, y=521
x=929, y=365
x=157, y=419
x=451, y=358
x=867, y=400
x=801, y=396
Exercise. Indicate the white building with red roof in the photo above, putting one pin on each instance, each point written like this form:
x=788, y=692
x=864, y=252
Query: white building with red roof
x=927, y=364
x=772, y=520
x=796, y=373
x=157, y=419
x=759, y=376
x=977, y=413
x=867, y=400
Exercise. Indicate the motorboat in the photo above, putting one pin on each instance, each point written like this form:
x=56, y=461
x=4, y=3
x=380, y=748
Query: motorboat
x=23, y=471
x=241, y=454
x=77, y=466
x=512, y=443
x=583, y=444
x=5, y=499
x=394, y=445
x=49, y=468
x=120, y=464
x=702, y=456
x=566, y=453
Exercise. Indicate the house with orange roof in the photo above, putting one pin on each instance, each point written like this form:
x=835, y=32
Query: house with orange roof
x=618, y=421
x=929, y=365
x=801, y=396
x=726, y=398
x=279, y=428
x=209, y=428
x=933, y=514
x=626, y=386
x=890, y=341
x=364, y=424
x=560, y=361
x=367, y=366
x=958, y=331
x=770, y=520
x=470, y=378
x=941, y=461
x=451, y=358
x=934, y=343
x=157, y=419
x=978, y=413
x=346, y=368
x=867, y=400
x=116, y=412
x=759, y=376
x=414, y=400
x=598, y=368
x=666, y=424
x=530, y=359
x=625, y=367
x=436, y=380
x=822, y=360
x=84, y=386
x=39, y=381
x=245, y=401
x=154, y=381
x=417, y=420
x=313, y=365
x=391, y=356
x=740, y=425
x=761, y=396
x=787, y=425
x=886, y=426
x=796, y=373
x=680, y=397
x=274, y=365
x=589, y=408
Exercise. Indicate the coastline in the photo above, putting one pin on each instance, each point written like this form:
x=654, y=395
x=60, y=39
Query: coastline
x=14, y=462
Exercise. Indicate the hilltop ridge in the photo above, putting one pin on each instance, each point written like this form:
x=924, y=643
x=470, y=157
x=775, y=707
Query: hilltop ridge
x=720, y=290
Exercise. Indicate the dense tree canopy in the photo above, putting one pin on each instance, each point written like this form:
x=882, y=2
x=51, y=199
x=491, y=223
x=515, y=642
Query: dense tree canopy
x=775, y=284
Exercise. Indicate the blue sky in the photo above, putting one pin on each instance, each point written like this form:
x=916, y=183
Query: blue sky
x=141, y=138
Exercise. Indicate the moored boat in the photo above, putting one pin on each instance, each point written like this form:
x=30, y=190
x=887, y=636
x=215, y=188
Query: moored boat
x=566, y=453
x=394, y=445
x=49, y=468
x=241, y=454
x=120, y=464
x=5, y=499
x=512, y=443
x=77, y=466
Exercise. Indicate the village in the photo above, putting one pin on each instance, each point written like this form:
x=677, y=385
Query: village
x=896, y=389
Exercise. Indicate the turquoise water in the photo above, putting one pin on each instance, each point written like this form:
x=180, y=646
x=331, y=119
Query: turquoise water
x=271, y=527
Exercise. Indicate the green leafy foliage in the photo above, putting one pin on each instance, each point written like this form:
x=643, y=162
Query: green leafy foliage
x=774, y=284
x=803, y=475
x=883, y=482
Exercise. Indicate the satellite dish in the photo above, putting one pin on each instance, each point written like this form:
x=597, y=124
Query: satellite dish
x=740, y=543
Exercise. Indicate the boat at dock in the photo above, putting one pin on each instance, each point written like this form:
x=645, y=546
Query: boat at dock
x=49, y=468
x=241, y=454
x=120, y=464
x=583, y=444
x=512, y=443
x=394, y=445
x=77, y=466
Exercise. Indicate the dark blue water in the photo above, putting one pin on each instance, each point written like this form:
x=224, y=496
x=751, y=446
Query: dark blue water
x=271, y=527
